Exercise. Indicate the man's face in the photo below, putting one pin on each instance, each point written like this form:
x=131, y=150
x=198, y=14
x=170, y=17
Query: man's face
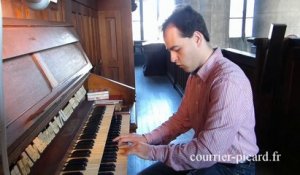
x=182, y=50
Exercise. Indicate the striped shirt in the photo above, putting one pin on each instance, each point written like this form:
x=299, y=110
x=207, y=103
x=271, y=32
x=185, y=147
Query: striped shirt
x=218, y=105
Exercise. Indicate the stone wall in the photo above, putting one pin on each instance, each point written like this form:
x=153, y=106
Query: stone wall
x=267, y=12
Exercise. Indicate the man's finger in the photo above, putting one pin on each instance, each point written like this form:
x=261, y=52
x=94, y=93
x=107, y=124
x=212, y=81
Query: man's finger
x=121, y=137
x=126, y=148
x=117, y=139
x=124, y=140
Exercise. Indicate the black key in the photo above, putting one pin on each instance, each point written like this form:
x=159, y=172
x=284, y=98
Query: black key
x=87, y=136
x=76, y=164
x=78, y=161
x=91, y=126
x=108, y=159
x=105, y=173
x=90, y=141
x=113, y=153
x=107, y=167
x=71, y=167
x=84, y=144
x=81, y=153
x=111, y=149
x=98, y=110
x=73, y=173
x=111, y=143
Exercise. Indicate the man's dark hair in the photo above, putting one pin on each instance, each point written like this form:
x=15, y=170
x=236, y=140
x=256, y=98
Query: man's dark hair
x=187, y=21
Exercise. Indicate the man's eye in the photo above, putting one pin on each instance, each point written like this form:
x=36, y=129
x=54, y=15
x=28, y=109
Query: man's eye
x=177, y=50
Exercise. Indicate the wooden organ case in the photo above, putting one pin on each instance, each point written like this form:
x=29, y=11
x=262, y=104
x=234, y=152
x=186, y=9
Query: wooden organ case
x=51, y=127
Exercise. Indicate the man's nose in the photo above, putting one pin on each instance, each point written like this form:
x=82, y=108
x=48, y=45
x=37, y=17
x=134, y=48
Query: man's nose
x=173, y=57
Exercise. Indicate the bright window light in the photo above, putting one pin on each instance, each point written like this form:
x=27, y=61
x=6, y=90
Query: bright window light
x=235, y=28
x=238, y=22
x=155, y=12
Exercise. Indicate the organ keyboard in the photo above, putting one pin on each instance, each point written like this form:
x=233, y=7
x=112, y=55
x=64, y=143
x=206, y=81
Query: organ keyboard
x=51, y=127
x=94, y=151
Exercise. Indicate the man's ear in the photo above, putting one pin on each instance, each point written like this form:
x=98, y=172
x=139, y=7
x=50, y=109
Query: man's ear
x=198, y=37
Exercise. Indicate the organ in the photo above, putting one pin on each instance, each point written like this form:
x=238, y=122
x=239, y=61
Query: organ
x=51, y=128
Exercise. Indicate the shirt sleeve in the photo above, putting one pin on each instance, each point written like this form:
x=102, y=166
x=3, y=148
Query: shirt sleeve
x=176, y=125
x=226, y=103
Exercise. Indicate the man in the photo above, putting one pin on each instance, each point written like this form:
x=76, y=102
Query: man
x=217, y=104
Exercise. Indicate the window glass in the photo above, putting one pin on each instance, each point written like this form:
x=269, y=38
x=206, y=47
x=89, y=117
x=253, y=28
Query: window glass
x=136, y=23
x=250, y=8
x=235, y=28
x=150, y=19
x=236, y=8
x=248, y=27
x=237, y=20
x=136, y=30
x=154, y=15
x=136, y=14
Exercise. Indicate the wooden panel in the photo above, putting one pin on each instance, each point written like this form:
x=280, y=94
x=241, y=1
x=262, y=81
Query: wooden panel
x=13, y=8
x=64, y=62
x=33, y=39
x=35, y=14
x=272, y=67
x=86, y=25
x=114, y=88
x=111, y=43
x=114, y=73
x=56, y=11
x=87, y=34
x=85, y=21
x=88, y=3
x=121, y=5
x=11, y=22
x=24, y=86
x=18, y=9
x=261, y=45
x=124, y=9
x=291, y=93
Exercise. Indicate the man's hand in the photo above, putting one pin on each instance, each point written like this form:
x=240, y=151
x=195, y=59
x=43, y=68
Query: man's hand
x=133, y=144
x=140, y=149
x=129, y=138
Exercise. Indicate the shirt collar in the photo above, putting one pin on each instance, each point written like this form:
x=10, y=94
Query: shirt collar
x=205, y=70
